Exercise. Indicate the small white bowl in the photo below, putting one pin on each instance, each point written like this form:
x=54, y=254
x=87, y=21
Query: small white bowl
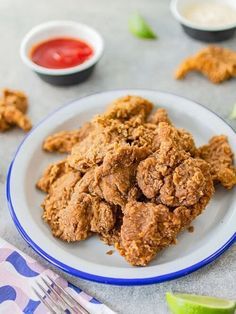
x=54, y=29
x=203, y=33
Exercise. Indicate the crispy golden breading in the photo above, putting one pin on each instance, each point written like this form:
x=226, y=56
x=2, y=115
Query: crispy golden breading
x=128, y=107
x=216, y=63
x=173, y=137
x=160, y=115
x=187, y=184
x=121, y=124
x=63, y=141
x=147, y=228
x=220, y=157
x=51, y=174
x=112, y=180
x=84, y=214
x=13, y=107
x=57, y=199
x=72, y=214
x=16, y=99
x=134, y=180
x=171, y=174
x=111, y=237
x=93, y=148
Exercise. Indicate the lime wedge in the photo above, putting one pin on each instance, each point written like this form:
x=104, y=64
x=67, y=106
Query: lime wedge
x=233, y=113
x=196, y=304
x=139, y=27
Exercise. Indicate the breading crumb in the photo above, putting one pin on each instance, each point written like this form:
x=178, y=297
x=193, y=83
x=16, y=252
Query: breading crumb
x=191, y=229
x=110, y=252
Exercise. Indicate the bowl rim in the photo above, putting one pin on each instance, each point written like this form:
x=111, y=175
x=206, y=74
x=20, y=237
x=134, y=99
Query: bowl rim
x=179, y=17
x=43, y=27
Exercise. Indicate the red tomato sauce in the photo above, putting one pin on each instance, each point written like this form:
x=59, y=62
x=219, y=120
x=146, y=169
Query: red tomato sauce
x=61, y=53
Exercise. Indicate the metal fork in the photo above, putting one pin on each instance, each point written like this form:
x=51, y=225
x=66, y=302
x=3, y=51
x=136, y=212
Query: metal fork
x=57, y=299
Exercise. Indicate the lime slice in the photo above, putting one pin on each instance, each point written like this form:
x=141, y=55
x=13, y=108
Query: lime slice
x=233, y=113
x=139, y=27
x=196, y=304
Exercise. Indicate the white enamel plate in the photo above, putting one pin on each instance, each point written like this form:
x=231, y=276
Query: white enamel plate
x=214, y=230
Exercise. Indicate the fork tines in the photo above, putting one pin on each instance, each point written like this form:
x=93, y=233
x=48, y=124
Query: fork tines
x=57, y=299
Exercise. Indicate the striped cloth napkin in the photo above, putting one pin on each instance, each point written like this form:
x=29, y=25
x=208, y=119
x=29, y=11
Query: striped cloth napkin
x=18, y=272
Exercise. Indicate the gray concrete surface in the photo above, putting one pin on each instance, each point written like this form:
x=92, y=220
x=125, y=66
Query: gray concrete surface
x=127, y=62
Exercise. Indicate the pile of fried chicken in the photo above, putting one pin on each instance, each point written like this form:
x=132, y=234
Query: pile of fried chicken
x=133, y=178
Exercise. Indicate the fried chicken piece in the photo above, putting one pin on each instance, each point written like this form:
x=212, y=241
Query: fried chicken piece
x=160, y=115
x=114, y=179
x=16, y=99
x=188, y=182
x=127, y=107
x=103, y=140
x=74, y=219
x=170, y=152
x=91, y=151
x=58, y=197
x=180, y=138
x=122, y=123
x=112, y=236
x=117, y=175
x=51, y=174
x=186, y=142
x=147, y=228
x=216, y=63
x=63, y=141
x=103, y=218
x=84, y=214
x=12, y=111
x=125, y=116
x=220, y=157
x=142, y=136
x=172, y=175
x=72, y=214
x=10, y=116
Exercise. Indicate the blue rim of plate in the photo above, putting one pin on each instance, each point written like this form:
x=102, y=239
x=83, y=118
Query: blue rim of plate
x=102, y=279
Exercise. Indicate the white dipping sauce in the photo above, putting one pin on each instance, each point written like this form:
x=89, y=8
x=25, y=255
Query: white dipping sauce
x=210, y=14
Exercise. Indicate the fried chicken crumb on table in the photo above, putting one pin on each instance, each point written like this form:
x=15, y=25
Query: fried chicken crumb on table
x=13, y=108
x=131, y=177
x=218, y=64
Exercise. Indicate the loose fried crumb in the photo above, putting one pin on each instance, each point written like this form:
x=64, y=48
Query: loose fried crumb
x=190, y=229
x=110, y=252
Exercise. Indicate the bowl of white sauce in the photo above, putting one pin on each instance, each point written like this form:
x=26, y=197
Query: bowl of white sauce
x=206, y=20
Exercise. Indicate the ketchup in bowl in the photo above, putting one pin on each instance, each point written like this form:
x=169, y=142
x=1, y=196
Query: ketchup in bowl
x=61, y=53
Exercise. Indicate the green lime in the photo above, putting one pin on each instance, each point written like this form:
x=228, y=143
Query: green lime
x=233, y=113
x=139, y=27
x=197, y=304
